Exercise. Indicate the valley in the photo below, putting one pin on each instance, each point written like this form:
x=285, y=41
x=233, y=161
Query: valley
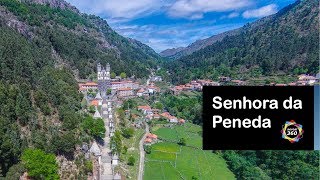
x=80, y=101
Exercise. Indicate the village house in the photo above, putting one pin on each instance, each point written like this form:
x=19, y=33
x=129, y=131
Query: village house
x=122, y=84
x=177, y=90
x=142, y=92
x=146, y=110
x=292, y=84
x=239, y=82
x=94, y=103
x=169, y=117
x=182, y=121
x=208, y=83
x=280, y=84
x=156, y=79
x=148, y=141
x=150, y=138
x=306, y=79
x=151, y=88
x=83, y=87
x=224, y=79
x=125, y=92
x=193, y=86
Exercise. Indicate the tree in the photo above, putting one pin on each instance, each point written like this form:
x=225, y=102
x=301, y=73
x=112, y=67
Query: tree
x=127, y=132
x=182, y=142
x=158, y=105
x=98, y=130
x=40, y=165
x=147, y=149
x=109, y=91
x=94, y=127
x=65, y=144
x=15, y=171
x=92, y=109
x=131, y=161
x=116, y=143
x=123, y=75
x=22, y=108
x=113, y=75
x=88, y=166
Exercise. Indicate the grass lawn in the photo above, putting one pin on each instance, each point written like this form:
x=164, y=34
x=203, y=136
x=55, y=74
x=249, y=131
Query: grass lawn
x=192, y=134
x=166, y=147
x=187, y=163
x=133, y=150
x=168, y=160
x=167, y=134
x=161, y=170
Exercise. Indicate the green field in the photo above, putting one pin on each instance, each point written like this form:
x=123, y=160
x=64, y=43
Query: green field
x=192, y=134
x=133, y=150
x=168, y=160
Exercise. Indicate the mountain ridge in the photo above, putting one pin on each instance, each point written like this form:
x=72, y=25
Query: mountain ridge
x=282, y=43
x=176, y=53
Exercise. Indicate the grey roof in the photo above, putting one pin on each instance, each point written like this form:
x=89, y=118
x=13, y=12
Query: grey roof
x=98, y=96
x=96, y=114
x=95, y=149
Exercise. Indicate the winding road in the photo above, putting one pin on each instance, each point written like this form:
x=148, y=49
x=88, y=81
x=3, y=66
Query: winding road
x=142, y=153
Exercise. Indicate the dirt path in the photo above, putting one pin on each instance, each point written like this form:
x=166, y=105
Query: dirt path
x=142, y=153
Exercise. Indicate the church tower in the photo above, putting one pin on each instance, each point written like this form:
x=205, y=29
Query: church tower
x=107, y=71
x=104, y=81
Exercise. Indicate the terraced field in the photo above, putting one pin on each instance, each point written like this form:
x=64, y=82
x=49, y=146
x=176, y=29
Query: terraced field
x=168, y=160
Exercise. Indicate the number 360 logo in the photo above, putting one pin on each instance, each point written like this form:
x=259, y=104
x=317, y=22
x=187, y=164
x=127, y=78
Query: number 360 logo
x=292, y=131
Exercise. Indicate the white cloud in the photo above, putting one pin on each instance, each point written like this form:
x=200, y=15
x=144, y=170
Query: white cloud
x=118, y=9
x=190, y=8
x=233, y=15
x=161, y=37
x=261, y=12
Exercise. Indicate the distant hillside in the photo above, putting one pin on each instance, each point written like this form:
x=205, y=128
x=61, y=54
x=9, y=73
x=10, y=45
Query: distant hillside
x=287, y=42
x=170, y=53
x=176, y=53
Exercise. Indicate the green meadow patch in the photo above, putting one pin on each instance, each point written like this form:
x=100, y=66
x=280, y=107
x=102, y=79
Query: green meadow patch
x=166, y=147
x=168, y=160
x=192, y=133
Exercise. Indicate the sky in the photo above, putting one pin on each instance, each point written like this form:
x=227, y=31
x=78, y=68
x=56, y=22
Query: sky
x=164, y=24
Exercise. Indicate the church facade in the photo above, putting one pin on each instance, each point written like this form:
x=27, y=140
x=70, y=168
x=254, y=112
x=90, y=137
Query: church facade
x=104, y=80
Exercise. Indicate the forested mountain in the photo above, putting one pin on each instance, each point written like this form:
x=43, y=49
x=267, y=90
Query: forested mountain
x=43, y=45
x=286, y=42
x=176, y=53
x=61, y=28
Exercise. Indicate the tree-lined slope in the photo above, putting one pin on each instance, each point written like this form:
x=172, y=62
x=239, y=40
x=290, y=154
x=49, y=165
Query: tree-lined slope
x=279, y=43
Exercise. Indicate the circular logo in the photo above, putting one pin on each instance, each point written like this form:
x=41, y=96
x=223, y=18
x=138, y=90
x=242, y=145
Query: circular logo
x=292, y=131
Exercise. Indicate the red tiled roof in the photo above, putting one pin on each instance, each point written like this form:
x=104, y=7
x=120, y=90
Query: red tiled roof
x=148, y=140
x=144, y=107
x=94, y=103
x=91, y=84
x=152, y=136
x=124, y=89
x=141, y=91
x=121, y=82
